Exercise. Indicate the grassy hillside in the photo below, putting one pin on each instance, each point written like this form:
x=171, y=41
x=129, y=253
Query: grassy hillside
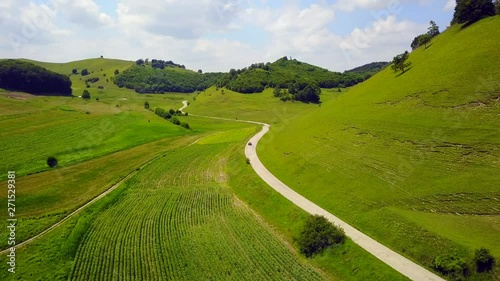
x=288, y=74
x=411, y=159
x=100, y=141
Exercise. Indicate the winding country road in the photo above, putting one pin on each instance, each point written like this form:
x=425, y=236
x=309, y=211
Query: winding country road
x=401, y=264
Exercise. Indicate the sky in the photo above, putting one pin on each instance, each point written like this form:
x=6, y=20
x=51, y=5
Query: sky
x=217, y=35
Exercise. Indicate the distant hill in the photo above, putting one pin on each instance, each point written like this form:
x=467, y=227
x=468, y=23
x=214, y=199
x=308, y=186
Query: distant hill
x=284, y=72
x=370, y=68
x=16, y=75
x=154, y=77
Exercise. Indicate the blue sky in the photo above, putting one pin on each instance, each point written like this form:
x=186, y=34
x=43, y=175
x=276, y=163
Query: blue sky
x=216, y=35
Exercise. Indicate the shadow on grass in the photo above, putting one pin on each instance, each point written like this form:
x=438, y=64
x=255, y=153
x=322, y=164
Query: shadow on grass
x=404, y=72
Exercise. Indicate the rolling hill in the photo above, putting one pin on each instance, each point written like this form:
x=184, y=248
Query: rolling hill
x=412, y=159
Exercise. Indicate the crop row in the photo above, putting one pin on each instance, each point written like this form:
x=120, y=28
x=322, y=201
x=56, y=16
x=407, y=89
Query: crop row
x=184, y=234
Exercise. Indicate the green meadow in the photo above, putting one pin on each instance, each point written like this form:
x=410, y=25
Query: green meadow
x=412, y=159
x=188, y=209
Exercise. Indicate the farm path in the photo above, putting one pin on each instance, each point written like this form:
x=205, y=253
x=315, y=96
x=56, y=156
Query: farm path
x=401, y=264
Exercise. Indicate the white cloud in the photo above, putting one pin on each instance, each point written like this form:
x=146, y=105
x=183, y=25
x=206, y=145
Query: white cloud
x=186, y=19
x=384, y=37
x=85, y=12
x=450, y=5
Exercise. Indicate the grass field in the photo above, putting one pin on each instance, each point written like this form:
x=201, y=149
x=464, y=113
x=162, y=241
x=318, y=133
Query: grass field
x=412, y=160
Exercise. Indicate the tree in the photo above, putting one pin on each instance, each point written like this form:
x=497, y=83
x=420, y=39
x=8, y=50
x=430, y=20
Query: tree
x=318, y=234
x=85, y=72
x=52, y=162
x=140, y=62
x=176, y=121
x=424, y=40
x=117, y=71
x=399, y=62
x=496, y=3
x=484, y=260
x=86, y=95
x=470, y=11
x=74, y=71
x=200, y=71
x=433, y=29
x=146, y=105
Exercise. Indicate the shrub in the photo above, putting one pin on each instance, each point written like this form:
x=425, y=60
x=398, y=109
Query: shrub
x=452, y=266
x=484, y=260
x=318, y=234
x=185, y=125
x=117, y=71
x=176, y=121
x=85, y=72
x=86, y=95
x=146, y=105
x=52, y=162
x=172, y=112
x=248, y=161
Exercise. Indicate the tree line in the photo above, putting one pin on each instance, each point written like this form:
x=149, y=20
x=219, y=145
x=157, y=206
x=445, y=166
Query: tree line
x=16, y=75
x=148, y=79
x=294, y=80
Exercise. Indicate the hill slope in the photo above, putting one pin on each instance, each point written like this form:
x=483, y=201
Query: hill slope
x=16, y=75
x=413, y=159
x=283, y=73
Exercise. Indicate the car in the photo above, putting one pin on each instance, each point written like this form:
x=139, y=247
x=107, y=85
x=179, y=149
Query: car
x=250, y=144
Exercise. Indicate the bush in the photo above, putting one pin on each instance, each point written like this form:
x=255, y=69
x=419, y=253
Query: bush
x=146, y=105
x=52, y=162
x=319, y=234
x=117, y=71
x=468, y=12
x=185, y=125
x=176, y=121
x=86, y=95
x=85, y=72
x=484, y=260
x=452, y=266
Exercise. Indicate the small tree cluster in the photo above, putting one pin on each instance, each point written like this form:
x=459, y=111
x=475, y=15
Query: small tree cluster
x=471, y=11
x=86, y=95
x=52, y=162
x=318, y=234
x=424, y=39
x=484, y=260
x=170, y=115
x=399, y=62
x=453, y=266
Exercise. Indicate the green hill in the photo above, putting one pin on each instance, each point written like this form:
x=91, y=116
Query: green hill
x=148, y=79
x=282, y=74
x=16, y=75
x=412, y=159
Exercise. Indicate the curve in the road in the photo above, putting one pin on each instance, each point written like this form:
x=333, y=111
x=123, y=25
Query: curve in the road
x=401, y=264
